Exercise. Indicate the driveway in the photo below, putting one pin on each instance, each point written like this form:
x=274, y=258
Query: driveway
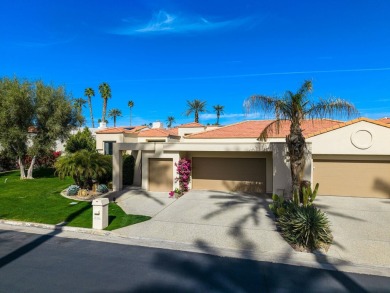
x=213, y=218
x=243, y=222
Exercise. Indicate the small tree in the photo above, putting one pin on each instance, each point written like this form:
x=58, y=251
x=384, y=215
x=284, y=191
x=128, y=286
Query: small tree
x=196, y=107
x=130, y=104
x=218, y=109
x=89, y=92
x=113, y=113
x=82, y=140
x=105, y=92
x=83, y=166
x=170, y=121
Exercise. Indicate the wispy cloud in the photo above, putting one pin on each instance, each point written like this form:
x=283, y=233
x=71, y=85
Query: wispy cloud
x=164, y=22
x=256, y=74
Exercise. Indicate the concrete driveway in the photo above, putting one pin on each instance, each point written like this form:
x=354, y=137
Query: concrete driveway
x=243, y=222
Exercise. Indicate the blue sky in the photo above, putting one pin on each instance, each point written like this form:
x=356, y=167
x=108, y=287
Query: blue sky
x=161, y=53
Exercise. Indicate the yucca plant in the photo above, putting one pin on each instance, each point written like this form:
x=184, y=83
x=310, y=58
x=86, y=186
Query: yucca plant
x=82, y=166
x=308, y=227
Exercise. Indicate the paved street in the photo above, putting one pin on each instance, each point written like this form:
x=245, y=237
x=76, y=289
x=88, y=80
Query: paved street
x=46, y=263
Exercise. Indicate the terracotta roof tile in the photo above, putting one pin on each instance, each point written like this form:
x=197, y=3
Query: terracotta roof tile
x=190, y=125
x=124, y=129
x=253, y=128
x=340, y=125
x=156, y=132
x=385, y=120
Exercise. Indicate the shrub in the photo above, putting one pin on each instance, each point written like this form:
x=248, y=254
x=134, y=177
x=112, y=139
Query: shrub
x=72, y=190
x=83, y=166
x=82, y=140
x=43, y=160
x=106, y=177
x=184, y=172
x=102, y=188
x=279, y=205
x=305, y=226
x=128, y=169
x=7, y=162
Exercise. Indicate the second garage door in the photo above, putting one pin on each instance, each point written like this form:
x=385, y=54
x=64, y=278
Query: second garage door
x=160, y=174
x=352, y=178
x=229, y=174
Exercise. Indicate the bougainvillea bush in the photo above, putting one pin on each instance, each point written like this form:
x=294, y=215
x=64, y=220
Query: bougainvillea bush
x=183, y=170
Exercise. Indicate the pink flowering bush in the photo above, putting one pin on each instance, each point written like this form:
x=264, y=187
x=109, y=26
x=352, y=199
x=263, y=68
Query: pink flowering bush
x=184, y=172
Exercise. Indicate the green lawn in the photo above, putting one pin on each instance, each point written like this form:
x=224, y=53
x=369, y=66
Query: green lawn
x=39, y=201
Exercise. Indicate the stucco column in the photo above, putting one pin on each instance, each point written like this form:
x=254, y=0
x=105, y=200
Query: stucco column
x=281, y=170
x=117, y=166
x=137, y=167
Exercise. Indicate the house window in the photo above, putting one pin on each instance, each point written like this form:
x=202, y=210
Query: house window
x=108, y=147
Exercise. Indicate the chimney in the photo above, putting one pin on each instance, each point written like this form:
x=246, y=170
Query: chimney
x=157, y=124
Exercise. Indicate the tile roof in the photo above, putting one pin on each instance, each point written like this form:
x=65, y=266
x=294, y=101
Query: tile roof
x=156, y=132
x=384, y=120
x=124, y=129
x=340, y=125
x=190, y=125
x=253, y=128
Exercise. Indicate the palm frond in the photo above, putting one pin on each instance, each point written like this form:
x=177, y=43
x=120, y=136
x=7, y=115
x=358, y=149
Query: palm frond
x=326, y=108
x=260, y=102
x=273, y=127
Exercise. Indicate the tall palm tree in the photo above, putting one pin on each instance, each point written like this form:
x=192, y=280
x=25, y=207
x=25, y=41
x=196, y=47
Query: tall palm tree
x=196, y=107
x=105, y=92
x=113, y=113
x=296, y=107
x=170, y=121
x=218, y=109
x=79, y=104
x=130, y=104
x=89, y=92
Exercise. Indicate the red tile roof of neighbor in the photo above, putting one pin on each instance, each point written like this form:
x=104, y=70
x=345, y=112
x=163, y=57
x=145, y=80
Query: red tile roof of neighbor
x=253, y=128
x=384, y=120
x=154, y=132
x=190, y=125
x=124, y=129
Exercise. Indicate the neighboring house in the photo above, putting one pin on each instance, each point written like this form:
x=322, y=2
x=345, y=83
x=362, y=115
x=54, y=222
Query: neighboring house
x=385, y=120
x=346, y=158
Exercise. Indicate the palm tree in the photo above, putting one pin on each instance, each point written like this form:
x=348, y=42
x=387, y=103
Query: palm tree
x=296, y=107
x=89, y=92
x=79, y=104
x=131, y=105
x=218, y=109
x=170, y=121
x=196, y=107
x=113, y=113
x=105, y=92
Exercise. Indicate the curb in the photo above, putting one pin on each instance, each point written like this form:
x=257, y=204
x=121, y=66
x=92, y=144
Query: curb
x=297, y=259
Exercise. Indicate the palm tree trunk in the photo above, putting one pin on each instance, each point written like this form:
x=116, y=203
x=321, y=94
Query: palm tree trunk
x=130, y=116
x=114, y=121
x=217, y=118
x=296, y=148
x=31, y=168
x=196, y=117
x=21, y=167
x=104, y=110
x=90, y=111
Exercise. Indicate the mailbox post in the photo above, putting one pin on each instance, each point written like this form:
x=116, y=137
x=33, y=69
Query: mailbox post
x=100, y=213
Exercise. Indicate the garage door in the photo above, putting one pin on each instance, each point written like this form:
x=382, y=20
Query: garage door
x=353, y=178
x=160, y=174
x=229, y=174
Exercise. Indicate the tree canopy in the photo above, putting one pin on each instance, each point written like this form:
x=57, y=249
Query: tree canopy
x=35, y=116
x=196, y=107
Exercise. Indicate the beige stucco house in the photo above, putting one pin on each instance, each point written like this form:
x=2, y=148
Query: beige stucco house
x=346, y=158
